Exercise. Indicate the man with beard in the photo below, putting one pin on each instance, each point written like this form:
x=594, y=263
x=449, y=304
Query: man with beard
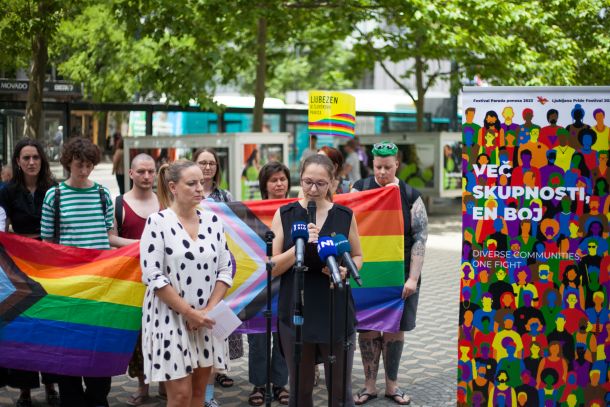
x=548, y=134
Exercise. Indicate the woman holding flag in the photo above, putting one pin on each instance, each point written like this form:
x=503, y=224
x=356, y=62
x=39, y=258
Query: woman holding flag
x=316, y=178
x=22, y=199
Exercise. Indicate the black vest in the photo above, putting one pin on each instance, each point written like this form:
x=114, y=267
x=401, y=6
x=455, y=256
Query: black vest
x=316, y=302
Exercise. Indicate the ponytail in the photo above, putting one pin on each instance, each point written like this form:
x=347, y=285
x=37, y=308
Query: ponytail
x=170, y=173
x=163, y=192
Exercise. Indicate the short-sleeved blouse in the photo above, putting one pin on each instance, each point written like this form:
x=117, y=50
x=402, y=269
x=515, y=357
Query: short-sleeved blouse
x=168, y=255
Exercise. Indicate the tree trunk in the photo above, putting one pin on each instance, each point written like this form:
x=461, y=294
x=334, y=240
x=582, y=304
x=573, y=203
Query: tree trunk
x=261, y=71
x=455, y=92
x=420, y=102
x=33, y=108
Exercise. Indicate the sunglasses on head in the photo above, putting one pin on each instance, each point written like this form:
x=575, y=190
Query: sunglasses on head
x=384, y=146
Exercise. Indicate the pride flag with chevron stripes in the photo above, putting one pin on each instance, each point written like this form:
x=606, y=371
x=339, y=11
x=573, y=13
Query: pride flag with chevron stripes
x=380, y=224
x=68, y=310
x=76, y=311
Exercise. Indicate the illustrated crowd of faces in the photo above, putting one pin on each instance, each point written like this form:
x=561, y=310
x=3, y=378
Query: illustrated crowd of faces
x=534, y=327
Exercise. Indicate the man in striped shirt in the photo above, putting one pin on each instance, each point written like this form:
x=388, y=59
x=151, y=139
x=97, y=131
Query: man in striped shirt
x=84, y=218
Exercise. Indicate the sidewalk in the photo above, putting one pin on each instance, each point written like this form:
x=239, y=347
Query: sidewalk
x=428, y=367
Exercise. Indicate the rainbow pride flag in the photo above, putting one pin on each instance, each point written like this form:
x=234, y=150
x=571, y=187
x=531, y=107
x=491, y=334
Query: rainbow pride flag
x=380, y=224
x=341, y=125
x=77, y=311
x=68, y=310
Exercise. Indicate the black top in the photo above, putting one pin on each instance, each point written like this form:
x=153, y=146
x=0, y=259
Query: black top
x=408, y=195
x=23, y=208
x=316, y=288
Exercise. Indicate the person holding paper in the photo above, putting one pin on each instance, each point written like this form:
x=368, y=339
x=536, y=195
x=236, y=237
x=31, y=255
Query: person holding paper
x=186, y=266
x=316, y=178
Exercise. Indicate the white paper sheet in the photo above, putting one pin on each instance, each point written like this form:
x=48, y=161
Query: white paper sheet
x=226, y=320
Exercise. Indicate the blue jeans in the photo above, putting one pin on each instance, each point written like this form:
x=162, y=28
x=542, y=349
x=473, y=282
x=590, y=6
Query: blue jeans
x=257, y=361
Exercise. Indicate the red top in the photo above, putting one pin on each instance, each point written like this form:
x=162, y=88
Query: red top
x=133, y=224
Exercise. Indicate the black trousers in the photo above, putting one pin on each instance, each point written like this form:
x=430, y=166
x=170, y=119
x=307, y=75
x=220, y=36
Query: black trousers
x=307, y=372
x=72, y=394
x=26, y=379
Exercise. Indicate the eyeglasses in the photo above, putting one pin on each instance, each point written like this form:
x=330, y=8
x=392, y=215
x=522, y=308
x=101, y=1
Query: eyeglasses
x=211, y=164
x=308, y=184
x=591, y=246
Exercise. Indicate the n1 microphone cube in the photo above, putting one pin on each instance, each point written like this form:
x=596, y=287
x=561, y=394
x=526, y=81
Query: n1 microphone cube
x=328, y=254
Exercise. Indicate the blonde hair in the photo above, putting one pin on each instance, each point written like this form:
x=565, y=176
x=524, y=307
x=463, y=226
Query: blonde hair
x=170, y=173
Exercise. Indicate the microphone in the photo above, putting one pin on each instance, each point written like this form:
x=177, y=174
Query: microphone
x=269, y=236
x=311, y=212
x=328, y=253
x=299, y=235
x=344, y=249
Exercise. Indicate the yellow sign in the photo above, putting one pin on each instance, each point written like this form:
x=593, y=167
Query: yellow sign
x=332, y=113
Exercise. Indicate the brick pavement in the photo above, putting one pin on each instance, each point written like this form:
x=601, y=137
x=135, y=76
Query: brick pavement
x=428, y=366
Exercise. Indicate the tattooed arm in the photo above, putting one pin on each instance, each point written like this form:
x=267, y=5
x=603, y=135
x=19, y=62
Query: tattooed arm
x=419, y=231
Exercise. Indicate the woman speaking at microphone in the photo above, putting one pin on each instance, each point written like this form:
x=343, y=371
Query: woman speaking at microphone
x=316, y=177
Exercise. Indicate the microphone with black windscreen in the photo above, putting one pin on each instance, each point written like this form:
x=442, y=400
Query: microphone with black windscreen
x=328, y=254
x=300, y=235
x=344, y=249
x=311, y=212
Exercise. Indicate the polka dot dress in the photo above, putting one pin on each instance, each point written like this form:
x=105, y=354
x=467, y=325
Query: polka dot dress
x=168, y=255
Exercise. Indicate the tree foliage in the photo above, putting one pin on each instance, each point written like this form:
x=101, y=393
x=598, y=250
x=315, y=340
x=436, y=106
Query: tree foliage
x=554, y=42
x=133, y=50
x=505, y=42
x=297, y=46
x=27, y=27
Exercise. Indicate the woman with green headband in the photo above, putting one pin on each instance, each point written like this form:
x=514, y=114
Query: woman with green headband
x=375, y=343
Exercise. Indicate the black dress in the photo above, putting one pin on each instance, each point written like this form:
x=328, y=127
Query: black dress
x=316, y=288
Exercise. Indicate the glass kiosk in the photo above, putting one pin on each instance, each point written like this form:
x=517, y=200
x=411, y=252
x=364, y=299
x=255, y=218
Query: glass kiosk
x=241, y=155
x=430, y=162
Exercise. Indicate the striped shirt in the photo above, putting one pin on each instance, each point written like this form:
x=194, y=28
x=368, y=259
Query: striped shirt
x=81, y=221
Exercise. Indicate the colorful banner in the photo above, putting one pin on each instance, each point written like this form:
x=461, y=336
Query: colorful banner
x=68, y=310
x=332, y=113
x=379, y=216
x=534, y=327
x=77, y=311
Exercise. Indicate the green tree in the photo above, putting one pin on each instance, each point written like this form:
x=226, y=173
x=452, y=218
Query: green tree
x=555, y=42
x=27, y=28
x=417, y=31
x=505, y=42
x=119, y=59
x=184, y=50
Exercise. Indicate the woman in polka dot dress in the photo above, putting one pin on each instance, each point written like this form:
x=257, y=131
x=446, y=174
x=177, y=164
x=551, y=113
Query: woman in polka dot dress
x=186, y=266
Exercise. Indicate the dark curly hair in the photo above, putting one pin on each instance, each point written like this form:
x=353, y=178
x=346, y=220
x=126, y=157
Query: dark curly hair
x=45, y=176
x=79, y=148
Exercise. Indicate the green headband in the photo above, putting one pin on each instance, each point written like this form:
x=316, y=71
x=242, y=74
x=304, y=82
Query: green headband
x=384, y=149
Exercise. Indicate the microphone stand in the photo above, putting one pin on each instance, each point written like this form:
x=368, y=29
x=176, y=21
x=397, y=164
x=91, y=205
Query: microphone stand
x=347, y=343
x=297, y=320
x=269, y=236
x=331, y=353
